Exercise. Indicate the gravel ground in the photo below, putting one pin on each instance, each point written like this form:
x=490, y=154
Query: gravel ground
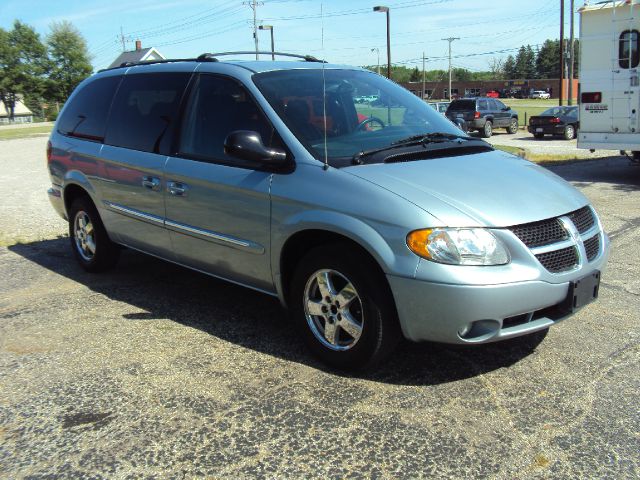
x=545, y=146
x=153, y=371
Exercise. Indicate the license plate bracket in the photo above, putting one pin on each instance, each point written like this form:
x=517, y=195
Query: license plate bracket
x=582, y=292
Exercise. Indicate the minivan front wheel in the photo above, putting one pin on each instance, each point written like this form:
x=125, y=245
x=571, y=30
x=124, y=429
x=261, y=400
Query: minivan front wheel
x=343, y=308
x=89, y=240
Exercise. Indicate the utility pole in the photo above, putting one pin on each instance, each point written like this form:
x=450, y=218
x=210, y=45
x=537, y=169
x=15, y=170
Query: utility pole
x=423, y=76
x=122, y=39
x=450, y=40
x=571, y=55
x=561, y=96
x=254, y=4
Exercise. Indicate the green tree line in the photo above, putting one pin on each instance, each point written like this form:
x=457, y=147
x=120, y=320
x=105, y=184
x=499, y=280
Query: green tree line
x=42, y=71
x=526, y=64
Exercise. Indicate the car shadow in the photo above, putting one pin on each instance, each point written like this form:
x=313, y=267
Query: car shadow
x=156, y=290
x=617, y=170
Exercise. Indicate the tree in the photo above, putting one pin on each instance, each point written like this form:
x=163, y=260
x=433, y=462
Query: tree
x=496, y=68
x=415, y=75
x=547, y=61
x=70, y=61
x=510, y=68
x=462, y=74
x=23, y=64
x=530, y=63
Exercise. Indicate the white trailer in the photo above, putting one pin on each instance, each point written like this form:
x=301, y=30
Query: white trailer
x=609, y=67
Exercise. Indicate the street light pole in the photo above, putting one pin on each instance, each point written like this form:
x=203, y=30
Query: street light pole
x=378, y=51
x=273, y=50
x=386, y=10
x=450, y=40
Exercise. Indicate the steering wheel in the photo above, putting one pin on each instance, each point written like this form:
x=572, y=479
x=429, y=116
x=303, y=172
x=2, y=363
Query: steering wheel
x=369, y=120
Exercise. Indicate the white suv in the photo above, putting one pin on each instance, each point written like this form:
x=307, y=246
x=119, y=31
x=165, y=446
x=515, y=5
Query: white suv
x=540, y=94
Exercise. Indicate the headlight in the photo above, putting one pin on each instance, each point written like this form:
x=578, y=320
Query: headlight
x=458, y=246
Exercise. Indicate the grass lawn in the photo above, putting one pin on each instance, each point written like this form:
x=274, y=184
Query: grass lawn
x=11, y=133
x=529, y=106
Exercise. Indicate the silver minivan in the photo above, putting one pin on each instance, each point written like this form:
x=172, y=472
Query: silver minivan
x=369, y=221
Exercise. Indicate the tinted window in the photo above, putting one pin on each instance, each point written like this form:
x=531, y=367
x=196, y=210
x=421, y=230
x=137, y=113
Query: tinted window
x=499, y=104
x=629, y=51
x=145, y=111
x=86, y=115
x=457, y=105
x=217, y=107
x=483, y=105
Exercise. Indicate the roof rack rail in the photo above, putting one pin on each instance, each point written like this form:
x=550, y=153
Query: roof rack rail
x=153, y=62
x=211, y=56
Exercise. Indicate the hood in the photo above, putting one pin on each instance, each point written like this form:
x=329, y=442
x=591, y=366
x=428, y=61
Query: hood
x=493, y=189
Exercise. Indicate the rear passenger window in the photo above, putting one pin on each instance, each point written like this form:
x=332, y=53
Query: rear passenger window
x=217, y=107
x=86, y=115
x=145, y=111
x=483, y=105
x=629, y=51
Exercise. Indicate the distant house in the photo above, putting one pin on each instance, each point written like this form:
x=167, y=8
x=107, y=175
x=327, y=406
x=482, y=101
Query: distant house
x=21, y=114
x=138, y=55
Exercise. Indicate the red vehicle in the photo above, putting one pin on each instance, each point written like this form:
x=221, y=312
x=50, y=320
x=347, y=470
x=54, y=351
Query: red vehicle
x=493, y=94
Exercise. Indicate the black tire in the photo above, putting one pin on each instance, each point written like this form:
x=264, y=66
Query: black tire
x=90, y=244
x=487, y=130
x=569, y=132
x=513, y=126
x=372, y=308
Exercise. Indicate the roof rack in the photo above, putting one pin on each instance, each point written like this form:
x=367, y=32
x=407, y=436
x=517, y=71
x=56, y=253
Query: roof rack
x=212, y=56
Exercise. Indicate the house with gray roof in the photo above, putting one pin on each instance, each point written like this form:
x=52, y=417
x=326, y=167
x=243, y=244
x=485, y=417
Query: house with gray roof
x=138, y=55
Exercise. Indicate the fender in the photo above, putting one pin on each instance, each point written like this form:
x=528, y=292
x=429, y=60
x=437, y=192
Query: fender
x=355, y=229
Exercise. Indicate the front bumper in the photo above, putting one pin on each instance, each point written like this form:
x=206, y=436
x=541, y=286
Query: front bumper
x=435, y=311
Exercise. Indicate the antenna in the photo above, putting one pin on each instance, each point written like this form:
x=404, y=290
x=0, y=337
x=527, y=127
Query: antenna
x=324, y=91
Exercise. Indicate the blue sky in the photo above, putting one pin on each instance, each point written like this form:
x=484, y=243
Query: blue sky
x=186, y=28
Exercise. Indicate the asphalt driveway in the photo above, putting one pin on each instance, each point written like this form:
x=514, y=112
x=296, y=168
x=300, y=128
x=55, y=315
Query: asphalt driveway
x=154, y=371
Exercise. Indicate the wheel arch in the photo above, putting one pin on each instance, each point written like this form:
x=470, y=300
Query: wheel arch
x=361, y=237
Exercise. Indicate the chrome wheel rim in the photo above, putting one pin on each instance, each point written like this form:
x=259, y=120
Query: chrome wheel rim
x=514, y=126
x=84, y=236
x=333, y=310
x=487, y=129
x=569, y=133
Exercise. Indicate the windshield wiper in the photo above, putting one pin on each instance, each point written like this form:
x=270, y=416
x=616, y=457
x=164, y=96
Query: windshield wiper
x=432, y=138
x=421, y=139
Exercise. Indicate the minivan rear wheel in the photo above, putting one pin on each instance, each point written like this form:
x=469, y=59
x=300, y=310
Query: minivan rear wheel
x=89, y=240
x=343, y=308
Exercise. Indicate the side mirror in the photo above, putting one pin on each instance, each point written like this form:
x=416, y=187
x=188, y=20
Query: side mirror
x=506, y=109
x=247, y=145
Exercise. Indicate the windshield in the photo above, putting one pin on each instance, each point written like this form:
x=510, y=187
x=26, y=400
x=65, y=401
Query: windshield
x=364, y=111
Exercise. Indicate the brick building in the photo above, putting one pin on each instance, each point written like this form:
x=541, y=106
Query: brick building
x=517, y=88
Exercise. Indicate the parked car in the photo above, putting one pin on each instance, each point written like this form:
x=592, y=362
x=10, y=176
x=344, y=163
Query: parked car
x=558, y=121
x=493, y=94
x=483, y=114
x=440, y=106
x=540, y=94
x=406, y=228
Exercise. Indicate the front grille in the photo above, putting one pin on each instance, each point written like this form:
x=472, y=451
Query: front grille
x=592, y=246
x=582, y=219
x=559, y=260
x=537, y=234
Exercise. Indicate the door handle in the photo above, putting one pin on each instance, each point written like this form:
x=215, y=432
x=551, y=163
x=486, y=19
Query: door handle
x=177, y=189
x=151, y=183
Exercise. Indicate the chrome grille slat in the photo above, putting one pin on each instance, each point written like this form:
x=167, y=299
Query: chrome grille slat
x=582, y=219
x=552, y=244
x=592, y=247
x=537, y=234
x=559, y=260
